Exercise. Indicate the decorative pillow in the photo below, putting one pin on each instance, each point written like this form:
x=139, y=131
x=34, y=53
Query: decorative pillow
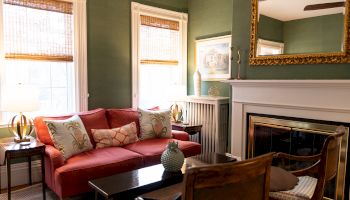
x=154, y=124
x=281, y=180
x=115, y=137
x=69, y=136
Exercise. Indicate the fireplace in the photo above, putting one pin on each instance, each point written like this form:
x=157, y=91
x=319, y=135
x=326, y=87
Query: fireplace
x=319, y=100
x=296, y=136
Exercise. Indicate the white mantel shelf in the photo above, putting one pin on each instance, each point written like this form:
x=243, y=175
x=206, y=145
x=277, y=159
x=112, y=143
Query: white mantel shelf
x=284, y=83
x=327, y=100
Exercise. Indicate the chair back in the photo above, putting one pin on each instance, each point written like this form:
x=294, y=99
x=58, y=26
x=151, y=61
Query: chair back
x=331, y=151
x=249, y=179
x=328, y=164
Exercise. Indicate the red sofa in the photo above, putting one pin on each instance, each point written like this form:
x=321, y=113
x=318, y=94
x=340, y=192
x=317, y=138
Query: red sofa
x=70, y=177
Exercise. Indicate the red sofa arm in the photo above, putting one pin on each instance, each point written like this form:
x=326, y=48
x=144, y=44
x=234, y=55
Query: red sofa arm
x=54, y=157
x=180, y=135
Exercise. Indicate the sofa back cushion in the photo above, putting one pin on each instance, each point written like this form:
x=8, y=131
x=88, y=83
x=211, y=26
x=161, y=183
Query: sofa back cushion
x=121, y=117
x=69, y=136
x=94, y=119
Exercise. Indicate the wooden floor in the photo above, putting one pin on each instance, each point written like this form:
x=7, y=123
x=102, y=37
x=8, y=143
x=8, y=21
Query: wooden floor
x=17, y=187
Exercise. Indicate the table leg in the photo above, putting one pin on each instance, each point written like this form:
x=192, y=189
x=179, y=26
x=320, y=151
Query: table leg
x=200, y=137
x=43, y=175
x=30, y=169
x=0, y=179
x=8, y=178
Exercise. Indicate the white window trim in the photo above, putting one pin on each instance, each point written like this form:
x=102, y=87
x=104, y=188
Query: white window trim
x=80, y=53
x=137, y=10
x=269, y=43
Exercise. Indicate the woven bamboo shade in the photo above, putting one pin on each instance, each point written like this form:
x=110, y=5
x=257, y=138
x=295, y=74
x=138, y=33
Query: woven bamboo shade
x=38, y=30
x=159, y=23
x=159, y=41
x=49, y=5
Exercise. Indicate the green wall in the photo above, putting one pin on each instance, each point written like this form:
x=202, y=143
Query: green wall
x=314, y=35
x=241, y=39
x=270, y=29
x=207, y=19
x=109, y=49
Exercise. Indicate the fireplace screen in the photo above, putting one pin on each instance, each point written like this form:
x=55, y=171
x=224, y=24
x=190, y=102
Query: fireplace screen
x=297, y=137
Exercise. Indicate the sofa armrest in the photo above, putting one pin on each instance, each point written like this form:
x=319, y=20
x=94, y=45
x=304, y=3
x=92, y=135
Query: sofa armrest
x=54, y=157
x=180, y=135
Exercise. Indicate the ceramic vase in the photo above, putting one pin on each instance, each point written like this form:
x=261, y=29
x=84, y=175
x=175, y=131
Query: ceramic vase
x=172, y=158
x=197, y=82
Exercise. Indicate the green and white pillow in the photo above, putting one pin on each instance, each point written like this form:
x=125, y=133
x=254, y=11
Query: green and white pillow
x=69, y=136
x=154, y=124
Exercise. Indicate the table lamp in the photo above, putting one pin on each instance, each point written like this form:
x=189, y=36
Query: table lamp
x=20, y=98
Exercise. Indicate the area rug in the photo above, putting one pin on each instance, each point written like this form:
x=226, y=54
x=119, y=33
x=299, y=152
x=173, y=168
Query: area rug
x=34, y=192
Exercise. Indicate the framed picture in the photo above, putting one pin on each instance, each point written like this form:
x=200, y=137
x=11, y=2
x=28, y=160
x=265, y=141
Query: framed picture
x=213, y=58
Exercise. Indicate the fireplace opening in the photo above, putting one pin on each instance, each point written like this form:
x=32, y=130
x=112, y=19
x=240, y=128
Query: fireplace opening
x=297, y=136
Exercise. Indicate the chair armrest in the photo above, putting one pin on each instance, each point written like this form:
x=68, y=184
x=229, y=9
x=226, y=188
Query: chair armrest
x=55, y=157
x=297, y=158
x=180, y=135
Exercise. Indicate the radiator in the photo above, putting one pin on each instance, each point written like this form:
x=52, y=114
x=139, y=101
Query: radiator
x=212, y=113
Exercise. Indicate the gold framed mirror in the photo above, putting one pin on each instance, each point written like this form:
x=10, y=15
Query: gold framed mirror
x=299, y=32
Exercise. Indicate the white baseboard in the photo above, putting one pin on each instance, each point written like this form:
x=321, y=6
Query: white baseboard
x=20, y=173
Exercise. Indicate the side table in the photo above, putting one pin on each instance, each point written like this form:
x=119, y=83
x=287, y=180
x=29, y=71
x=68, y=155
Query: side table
x=191, y=129
x=15, y=150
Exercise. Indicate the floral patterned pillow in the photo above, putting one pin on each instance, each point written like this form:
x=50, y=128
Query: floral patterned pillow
x=69, y=136
x=155, y=124
x=115, y=137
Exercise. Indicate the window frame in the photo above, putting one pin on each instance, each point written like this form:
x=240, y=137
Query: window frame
x=137, y=10
x=269, y=43
x=79, y=54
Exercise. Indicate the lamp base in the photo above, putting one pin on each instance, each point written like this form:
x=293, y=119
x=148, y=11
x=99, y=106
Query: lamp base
x=23, y=141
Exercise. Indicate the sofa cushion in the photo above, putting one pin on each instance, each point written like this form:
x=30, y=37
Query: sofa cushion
x=69, y=136
x=155, y=124
x=91, y=119
x=120, y=117
x=95, y=119
x=72, y=178
x=152, y=149
x=115, y=137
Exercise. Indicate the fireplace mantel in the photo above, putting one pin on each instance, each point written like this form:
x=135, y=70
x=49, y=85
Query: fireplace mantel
x=327, y=100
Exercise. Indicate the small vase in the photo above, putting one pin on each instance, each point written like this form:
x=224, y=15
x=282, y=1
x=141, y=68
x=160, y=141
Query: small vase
x=197, y=81
x=172, y=158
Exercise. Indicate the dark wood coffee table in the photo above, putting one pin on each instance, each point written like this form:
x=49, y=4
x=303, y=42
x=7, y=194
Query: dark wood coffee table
x=132, y=184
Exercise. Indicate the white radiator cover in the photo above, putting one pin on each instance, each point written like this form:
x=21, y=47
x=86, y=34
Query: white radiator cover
x=213, y=114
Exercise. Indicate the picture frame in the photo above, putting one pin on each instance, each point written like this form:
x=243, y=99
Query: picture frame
x=213, y=58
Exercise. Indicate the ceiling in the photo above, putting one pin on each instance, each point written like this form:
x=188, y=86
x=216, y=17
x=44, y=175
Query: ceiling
x=286, y=10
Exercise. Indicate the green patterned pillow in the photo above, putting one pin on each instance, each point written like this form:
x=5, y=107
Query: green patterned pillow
x=69, y=136
x=155, y=124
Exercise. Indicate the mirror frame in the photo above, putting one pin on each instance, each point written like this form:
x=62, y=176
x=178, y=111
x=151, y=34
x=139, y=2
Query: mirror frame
x=292, y=59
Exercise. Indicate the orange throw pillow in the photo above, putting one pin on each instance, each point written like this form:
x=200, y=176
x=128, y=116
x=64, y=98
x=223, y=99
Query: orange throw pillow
x=115, y=137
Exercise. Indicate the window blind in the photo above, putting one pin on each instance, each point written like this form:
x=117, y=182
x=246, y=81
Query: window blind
x=159, y=41
x=38, y=30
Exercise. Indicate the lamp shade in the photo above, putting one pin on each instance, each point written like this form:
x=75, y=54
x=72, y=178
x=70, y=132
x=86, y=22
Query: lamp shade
x=19, y=98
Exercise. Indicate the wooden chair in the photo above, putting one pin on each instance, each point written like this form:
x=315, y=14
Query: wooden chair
x=249, y=179
x=323, y=170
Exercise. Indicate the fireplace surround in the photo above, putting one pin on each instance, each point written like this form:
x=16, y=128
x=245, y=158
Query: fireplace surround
x=301, y=137
x=326, y=100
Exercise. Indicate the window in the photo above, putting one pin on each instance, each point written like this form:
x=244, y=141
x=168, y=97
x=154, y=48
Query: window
x=266, y=47
x=159, y=56
x=41, y=48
